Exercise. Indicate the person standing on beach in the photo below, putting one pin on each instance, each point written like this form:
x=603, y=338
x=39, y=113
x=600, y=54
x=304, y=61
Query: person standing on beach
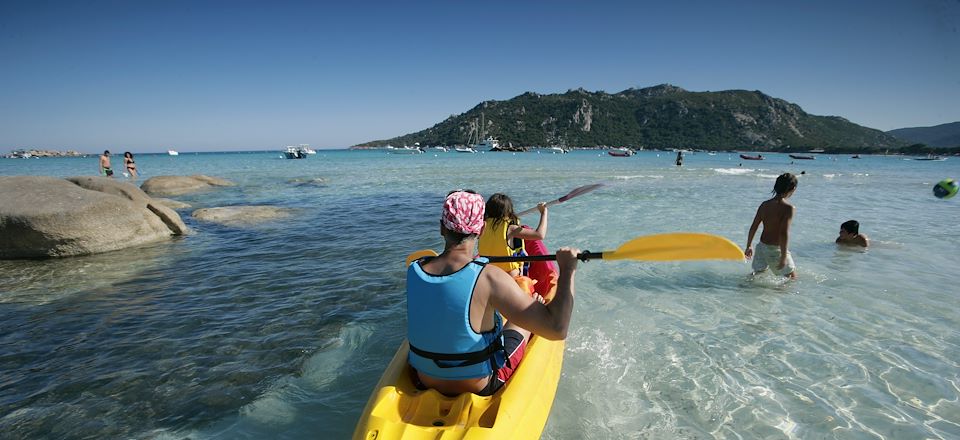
x=776, y=215
x=105, y=169
x=502, y=234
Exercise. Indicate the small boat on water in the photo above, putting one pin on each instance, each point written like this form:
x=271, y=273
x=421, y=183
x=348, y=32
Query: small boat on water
x=799, y=157
x=464, y=150
x=294, y=153
x=20, y=154
x=620, y=152
x=746, y=157
x=488, y=144
x=557, y=150
x=937, y=158
x=405, y=150
x=855, y=156
x=173, y=152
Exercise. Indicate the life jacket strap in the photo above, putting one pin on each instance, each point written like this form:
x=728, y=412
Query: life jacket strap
x=471, y=358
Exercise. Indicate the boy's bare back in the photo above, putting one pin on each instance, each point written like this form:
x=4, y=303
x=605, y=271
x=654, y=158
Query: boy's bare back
x=775, y=214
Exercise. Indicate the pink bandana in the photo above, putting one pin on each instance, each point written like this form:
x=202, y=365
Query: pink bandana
x=463, y=213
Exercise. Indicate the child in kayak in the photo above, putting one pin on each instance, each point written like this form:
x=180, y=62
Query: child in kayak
x=776, y=215
x=458, y=341
x=502, y=234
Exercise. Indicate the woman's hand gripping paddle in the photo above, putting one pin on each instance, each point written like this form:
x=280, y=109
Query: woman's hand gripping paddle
x=576, y=192
x=677, y=246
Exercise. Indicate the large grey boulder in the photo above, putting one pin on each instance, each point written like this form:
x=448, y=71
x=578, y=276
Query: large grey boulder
x=51, y=217
x=241, y=215
x=179, y=185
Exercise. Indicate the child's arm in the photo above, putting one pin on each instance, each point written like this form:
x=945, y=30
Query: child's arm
x=785, y=236
x=748, y=251
x=532, y=234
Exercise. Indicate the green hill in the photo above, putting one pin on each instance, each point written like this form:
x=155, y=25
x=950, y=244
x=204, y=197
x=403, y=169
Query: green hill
x=938, y=136
x=663, y=116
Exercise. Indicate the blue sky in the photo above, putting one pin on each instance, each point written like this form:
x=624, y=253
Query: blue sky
x=212, y=76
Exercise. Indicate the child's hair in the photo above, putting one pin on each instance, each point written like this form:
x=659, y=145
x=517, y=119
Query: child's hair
x=786, y=182
x=500, y=208
x=851, y=226
x=127, y=154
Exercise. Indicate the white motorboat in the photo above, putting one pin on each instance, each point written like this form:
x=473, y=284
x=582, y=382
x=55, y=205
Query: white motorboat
x=294, y=153
x=405, y=150
x=478, y=131
x=464, y=150
x=173, y=152
x=487, y=144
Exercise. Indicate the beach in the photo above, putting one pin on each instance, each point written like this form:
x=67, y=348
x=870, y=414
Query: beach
x=281, y=329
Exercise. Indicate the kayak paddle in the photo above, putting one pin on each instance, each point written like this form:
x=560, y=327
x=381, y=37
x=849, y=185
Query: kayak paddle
x=675, y=246
x=420, y=254
x=576, y=192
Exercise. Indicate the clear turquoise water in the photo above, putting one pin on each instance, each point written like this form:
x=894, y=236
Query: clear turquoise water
x=282, y=329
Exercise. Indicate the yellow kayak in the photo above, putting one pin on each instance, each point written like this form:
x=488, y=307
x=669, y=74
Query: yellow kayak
x=519, y=410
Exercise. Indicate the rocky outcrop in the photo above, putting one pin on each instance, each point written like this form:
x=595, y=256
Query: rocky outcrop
x=51, y=217
x=179, y=185
x=241, y=215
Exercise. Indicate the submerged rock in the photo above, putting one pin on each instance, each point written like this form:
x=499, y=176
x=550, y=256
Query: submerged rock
x=51, y=217
x=303, y=181
x=179, y=185
x=241, y=215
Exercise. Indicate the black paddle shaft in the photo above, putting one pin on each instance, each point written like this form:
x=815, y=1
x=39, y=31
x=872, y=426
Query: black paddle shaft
x=582, y=256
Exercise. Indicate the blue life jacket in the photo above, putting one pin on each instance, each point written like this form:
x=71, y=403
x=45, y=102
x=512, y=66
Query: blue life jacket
x=442, y=342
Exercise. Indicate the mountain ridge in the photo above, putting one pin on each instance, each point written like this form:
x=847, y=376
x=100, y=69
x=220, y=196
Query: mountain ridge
x=661, y=116
x=938, y=136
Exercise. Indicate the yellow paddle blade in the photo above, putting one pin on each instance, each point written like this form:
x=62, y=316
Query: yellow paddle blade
x=420, y=254
x=676, y=246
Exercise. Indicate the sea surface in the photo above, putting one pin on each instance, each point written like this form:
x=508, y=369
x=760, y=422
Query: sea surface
x=281, y=330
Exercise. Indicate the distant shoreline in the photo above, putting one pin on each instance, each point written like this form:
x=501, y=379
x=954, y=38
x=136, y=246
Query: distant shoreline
x=905, y=151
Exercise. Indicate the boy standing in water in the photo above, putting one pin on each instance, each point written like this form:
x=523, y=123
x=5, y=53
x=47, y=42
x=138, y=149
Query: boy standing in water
x=105, y=169
x=776, y=215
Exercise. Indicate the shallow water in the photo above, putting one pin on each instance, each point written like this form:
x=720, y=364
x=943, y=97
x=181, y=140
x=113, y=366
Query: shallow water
x=281, y=330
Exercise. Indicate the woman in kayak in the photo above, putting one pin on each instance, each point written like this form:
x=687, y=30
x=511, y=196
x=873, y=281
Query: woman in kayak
x=502, y=234
x=458, y=342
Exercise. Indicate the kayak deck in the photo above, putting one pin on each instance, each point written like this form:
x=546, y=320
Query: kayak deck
x=519, y=410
